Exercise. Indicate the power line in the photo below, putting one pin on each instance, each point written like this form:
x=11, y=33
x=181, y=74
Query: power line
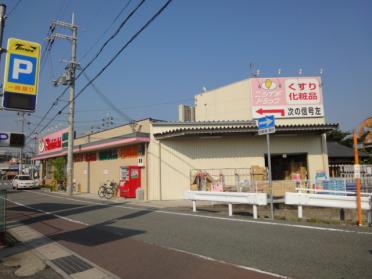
x=106, y=30
x=92, y=60
x=113, y=58
x=107, y=101
x=14, y=7
x=112, y=36
x=141, y=106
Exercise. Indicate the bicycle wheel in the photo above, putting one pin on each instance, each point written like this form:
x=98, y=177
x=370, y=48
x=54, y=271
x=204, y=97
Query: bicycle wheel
x=109, y=193
x=101, y=191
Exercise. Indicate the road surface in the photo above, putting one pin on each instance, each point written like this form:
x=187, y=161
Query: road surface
x=135, y=242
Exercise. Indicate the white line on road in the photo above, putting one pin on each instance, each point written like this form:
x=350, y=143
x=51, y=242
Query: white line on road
x=211, y=217
x=49, y=213
x=227, y=263
x=168, y=248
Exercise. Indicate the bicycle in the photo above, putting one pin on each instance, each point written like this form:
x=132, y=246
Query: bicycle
x=107, y=190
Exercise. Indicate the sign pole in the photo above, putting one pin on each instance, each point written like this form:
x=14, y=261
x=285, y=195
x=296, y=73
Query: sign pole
x=21, y=151
x=2, y=23
x=357, y=178
x=269, y=175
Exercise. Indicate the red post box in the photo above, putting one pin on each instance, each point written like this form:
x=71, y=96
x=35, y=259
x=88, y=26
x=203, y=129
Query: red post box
x=130, y=181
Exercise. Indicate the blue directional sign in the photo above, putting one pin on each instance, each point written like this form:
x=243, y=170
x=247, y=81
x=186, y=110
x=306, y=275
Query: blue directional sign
x=266, y=125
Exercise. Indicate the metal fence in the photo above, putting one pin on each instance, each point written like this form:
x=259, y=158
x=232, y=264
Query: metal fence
x=347, y=171
x=245, y=180
x=221, y=180
x=2, y=215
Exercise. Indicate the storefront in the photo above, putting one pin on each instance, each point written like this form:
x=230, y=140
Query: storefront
x=109, y=155
x=219, y=133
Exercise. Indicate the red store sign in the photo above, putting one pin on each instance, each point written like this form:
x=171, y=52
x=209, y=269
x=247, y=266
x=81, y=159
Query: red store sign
x=52, y=142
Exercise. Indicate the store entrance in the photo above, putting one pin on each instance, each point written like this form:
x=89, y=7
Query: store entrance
x=288, y=166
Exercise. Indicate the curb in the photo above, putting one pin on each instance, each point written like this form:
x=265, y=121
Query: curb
x=52, y=253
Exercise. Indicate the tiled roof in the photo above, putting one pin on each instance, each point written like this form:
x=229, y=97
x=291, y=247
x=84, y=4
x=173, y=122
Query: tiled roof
x=241, y=128
x=337, y=150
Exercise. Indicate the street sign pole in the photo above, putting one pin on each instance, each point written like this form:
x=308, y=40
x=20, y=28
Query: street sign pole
x=357, y=178
x=269, y=176
x=2, y=23
x=266, y=126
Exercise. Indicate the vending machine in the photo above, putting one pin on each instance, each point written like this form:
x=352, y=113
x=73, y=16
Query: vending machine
x=130, y=181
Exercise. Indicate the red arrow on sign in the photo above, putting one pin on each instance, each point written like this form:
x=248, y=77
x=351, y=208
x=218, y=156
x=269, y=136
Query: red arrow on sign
x=264, y=111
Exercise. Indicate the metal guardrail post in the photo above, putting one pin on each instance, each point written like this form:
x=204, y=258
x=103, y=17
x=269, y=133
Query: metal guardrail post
x=2, y=215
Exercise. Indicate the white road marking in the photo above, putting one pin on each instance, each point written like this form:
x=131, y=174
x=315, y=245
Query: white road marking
x=49, y=213
x=211, y=217
x=227, y=263
x=192, y=215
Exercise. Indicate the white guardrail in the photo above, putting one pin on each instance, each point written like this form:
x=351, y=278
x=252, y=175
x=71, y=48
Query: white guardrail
x=327, y=198
x=230, y=198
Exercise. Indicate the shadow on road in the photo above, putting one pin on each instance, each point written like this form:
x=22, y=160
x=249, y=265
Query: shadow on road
x=58, y=229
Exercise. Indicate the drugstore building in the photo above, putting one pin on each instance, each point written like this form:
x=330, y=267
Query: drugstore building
x=218, y=132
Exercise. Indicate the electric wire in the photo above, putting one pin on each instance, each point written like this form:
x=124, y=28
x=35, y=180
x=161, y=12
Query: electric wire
x=106, y=30
x=14, y=7
x=111, y=37
x=108, y=102
x=93, y=59
x=112, y=59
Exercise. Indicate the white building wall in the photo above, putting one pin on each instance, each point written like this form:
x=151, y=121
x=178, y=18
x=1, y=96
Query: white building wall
x=180, y=155
x=233, y=102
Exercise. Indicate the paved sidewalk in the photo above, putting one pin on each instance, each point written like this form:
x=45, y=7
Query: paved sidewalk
x=62, y=260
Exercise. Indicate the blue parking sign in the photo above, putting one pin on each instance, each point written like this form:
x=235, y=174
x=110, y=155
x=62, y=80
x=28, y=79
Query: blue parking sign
x=21, y=75
x=22, y=69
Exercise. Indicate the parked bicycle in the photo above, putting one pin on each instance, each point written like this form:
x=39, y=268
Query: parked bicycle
x=107, y=190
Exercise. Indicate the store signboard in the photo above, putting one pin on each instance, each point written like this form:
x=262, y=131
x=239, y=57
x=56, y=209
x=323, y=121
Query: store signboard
x=12, y=139
x=290, y=97
x=21, y=75
x=4, y=139
x=53, y=142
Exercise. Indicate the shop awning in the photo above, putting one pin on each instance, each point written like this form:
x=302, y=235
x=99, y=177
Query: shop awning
x=239, y=127
x=98, y=145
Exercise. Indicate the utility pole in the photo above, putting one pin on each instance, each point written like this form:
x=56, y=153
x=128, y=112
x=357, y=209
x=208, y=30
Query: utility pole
x=69, y=78
x=2, y=24
x=22, y=131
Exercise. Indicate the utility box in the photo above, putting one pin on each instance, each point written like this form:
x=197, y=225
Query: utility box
x=140, y=194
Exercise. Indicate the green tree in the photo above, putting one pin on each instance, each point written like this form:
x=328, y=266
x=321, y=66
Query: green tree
x=337, y=135
x=59, y=169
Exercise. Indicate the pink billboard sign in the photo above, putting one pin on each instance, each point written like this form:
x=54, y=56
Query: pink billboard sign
x=53, y=142
x=287, y=97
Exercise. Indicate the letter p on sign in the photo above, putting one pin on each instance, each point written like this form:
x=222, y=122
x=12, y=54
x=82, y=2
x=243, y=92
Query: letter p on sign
x=22, y=69
x=21, y=66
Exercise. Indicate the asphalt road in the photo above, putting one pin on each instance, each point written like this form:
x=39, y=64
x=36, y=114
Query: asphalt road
x=134, y=242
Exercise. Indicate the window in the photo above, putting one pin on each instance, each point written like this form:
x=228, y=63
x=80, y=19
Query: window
x=129, y=151
x=91, y=156
x=109, y=154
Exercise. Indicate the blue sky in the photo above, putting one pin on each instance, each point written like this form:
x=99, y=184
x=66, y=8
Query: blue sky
x=201, y=43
